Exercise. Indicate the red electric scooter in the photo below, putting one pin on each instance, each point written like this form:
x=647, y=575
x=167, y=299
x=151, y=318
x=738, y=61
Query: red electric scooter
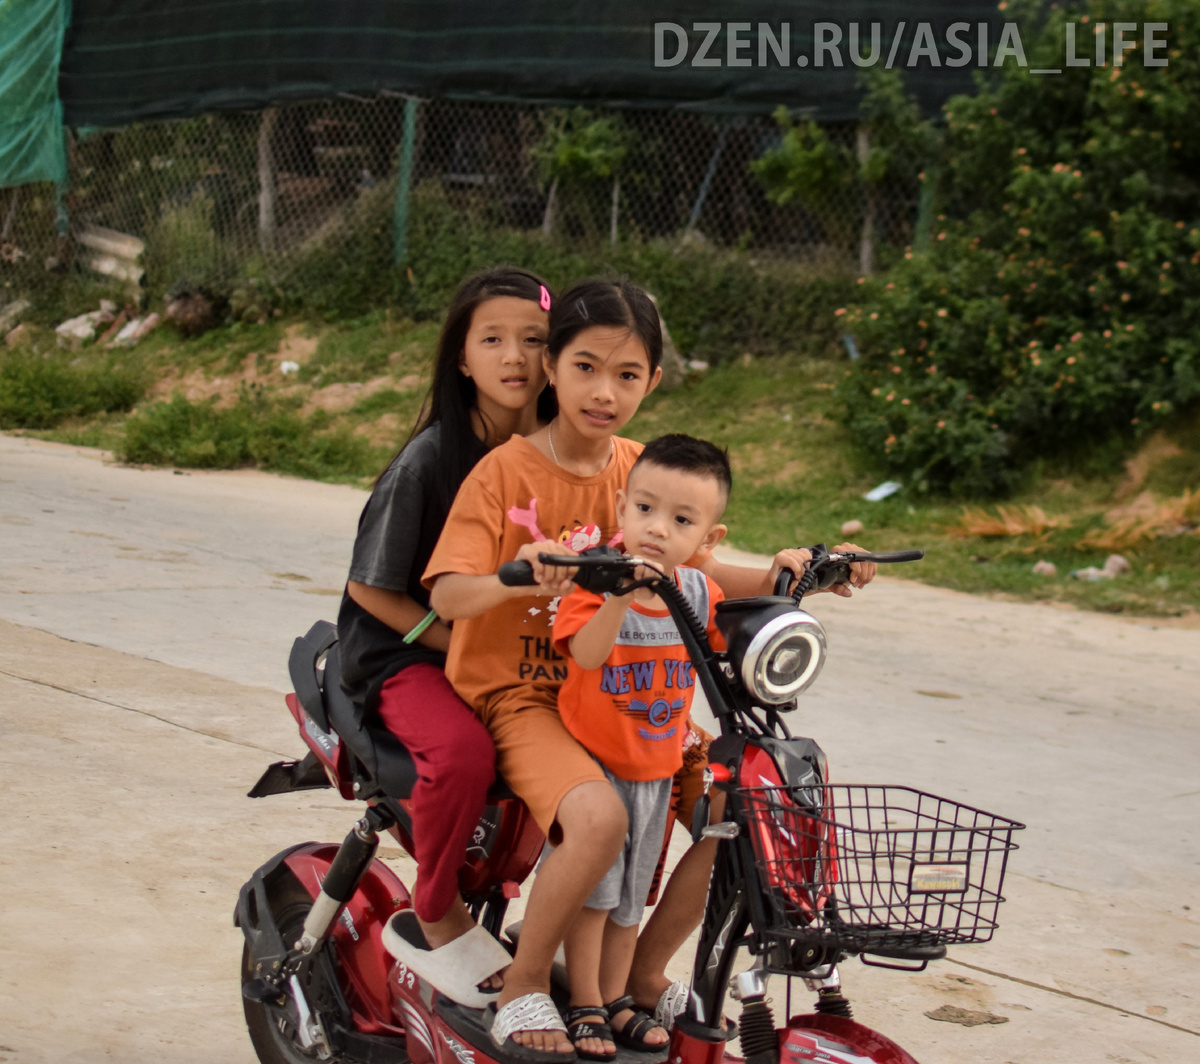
x=807, y=872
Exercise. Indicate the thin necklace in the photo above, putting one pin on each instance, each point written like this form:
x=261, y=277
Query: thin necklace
x=612, y=445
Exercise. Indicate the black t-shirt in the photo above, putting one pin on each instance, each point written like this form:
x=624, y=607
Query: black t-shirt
x=397, y=532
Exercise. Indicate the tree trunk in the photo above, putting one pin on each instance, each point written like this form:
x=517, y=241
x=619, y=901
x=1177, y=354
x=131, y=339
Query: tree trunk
x=268, y=196
x=616, y=200
x=674, y=370
x=548, y=217
x=866, y=245
x=12, y=213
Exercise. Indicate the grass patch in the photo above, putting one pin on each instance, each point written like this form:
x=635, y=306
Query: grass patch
x=258, y=430
x=371, y=347
x=798, y=478
x=798, y=474
x=41, y=391
x=388, y=401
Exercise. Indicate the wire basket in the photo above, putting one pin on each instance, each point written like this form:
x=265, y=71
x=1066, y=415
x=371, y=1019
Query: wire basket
x=869, y=868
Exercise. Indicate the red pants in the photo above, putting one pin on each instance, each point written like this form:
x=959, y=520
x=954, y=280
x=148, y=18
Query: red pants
x=456, y=764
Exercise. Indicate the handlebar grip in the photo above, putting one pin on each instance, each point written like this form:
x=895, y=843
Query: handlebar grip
x=516, y=574
x=784, y=581
x=896, y=556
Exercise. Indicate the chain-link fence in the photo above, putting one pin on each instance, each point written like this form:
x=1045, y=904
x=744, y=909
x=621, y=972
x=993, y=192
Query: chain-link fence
x=215, y=196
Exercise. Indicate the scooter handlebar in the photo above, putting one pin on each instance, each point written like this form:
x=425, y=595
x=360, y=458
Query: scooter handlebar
x=883, y=557
x=516, y=574
x=834, y=568
x=598, y=569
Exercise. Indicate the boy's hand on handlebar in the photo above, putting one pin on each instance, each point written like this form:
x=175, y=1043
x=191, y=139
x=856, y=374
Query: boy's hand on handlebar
x=646, y=570
x=794, y=558
x=552, y=580
x=861, y=573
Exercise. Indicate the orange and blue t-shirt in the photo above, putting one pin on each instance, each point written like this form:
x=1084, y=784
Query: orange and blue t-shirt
x=631, y=713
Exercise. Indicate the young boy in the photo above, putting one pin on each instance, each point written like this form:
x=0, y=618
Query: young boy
x=626, y=699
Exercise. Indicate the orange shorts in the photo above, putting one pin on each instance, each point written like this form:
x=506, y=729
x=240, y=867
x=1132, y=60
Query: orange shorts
x=540, y=761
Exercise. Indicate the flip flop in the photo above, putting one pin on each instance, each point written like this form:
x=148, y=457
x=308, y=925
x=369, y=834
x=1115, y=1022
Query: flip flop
x=529, y=1012
x=673, y=1002
x=457, y=968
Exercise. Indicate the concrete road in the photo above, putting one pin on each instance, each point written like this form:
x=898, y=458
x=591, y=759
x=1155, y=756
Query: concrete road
x=145, y=619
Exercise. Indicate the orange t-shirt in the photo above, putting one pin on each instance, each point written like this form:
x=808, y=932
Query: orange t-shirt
x=631, y=712
x=505, y=657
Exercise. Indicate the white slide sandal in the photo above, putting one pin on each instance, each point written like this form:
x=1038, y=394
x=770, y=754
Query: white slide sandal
x=457, y=968
x=529, y=1012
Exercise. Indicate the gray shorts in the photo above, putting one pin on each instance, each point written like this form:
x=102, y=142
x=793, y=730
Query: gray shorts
x=625, y=886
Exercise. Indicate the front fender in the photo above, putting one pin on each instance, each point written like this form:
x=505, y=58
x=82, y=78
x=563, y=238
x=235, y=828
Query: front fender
x=357, y=936
x=836, y=1040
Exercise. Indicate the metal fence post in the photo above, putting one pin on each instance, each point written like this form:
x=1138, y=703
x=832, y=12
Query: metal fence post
x=706, y=184
x=404, y=169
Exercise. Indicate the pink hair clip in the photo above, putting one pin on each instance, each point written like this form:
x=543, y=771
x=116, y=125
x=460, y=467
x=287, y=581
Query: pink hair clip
x=544, y=301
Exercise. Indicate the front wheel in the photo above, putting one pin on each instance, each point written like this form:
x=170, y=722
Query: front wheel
x=272, y=1030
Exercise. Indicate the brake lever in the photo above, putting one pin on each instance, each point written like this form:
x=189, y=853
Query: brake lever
x=597, y=569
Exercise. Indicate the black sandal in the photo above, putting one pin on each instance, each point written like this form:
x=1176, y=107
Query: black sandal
x=580, y=1027
x=632, y=1035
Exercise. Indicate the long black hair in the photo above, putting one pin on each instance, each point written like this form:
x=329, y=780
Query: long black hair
x=452, y=395
x=605, y=303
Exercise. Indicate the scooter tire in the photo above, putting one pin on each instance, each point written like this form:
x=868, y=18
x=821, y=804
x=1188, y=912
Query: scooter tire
x=290, y=904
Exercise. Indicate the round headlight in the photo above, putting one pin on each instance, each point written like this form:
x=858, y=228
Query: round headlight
x=784, y=657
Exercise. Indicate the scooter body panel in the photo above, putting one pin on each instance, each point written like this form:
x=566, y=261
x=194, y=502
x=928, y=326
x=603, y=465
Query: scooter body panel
x=358, y=935
x=504, y=848
x=327, y=746
x=836, y=1040
x=457, y=1035
x=695, y=1044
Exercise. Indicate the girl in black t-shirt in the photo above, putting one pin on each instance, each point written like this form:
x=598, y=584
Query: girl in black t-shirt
x=488, y=385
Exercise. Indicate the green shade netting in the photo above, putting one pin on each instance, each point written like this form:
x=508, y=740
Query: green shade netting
x=31, y=133
x=148, y=60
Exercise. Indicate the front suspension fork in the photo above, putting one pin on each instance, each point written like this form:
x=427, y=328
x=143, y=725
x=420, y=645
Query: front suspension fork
x=349, y=866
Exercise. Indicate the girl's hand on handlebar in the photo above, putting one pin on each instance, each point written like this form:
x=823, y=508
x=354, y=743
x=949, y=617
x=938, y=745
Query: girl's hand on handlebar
x=794, y=558
x=552, y=580
x=861, y=573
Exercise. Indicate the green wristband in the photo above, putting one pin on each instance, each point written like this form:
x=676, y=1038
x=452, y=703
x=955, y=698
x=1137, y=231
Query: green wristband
x=419, y=629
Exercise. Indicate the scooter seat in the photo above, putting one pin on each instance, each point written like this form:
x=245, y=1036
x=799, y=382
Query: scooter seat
x=384, y=758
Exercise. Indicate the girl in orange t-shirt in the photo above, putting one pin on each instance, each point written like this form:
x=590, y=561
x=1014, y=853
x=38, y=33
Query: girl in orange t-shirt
x=559, y=484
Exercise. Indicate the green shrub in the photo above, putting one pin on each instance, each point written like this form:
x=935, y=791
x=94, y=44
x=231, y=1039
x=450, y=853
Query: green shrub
x=841, y=189
x=41, y=391
x=256, y=431
x=579, y=155
x=184, y=245
x=1064, y=307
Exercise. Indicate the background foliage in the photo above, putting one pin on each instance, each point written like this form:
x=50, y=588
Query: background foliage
x=1059, y=303
x=718, y=303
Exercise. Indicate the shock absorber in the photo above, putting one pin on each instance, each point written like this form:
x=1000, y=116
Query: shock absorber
x=341, y=881
x=830, y=1001
x=760, y=1041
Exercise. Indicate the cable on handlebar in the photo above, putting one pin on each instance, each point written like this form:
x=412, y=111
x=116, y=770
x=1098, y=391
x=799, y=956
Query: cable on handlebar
x=613, y=565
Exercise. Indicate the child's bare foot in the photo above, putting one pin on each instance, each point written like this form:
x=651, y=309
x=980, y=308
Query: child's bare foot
x=634, y=1028
x=587, y=1027
x=647, y=991
x=531, y=1006
x=454, y=924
